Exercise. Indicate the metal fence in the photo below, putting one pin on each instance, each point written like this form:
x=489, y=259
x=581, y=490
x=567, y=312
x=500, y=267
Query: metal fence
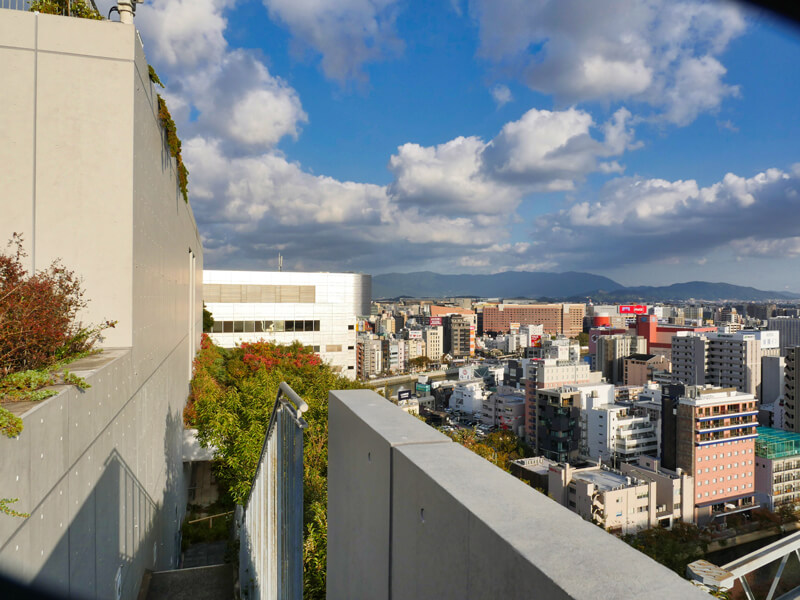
x=271, y=523
x=15, y=4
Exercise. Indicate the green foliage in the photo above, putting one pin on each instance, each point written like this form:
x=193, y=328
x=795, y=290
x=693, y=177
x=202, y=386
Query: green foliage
x=232, y=395
x=674, y=548
x=67, y=8
x=499, y=447
x=4, y=508
x=209, y=530
x=208, y=320
x=174, y=144
x=10, y=424
x=583, y=338
x=154, y=76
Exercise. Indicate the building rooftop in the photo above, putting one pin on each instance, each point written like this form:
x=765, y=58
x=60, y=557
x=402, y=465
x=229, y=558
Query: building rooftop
x=644, y=357
x=777, y=443
x=605, y=480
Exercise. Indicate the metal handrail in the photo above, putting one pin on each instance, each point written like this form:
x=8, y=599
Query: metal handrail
x=271, y=519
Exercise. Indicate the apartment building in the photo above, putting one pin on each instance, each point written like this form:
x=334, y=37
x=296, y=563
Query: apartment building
x=551, y=373
x=715, y=432
x=791, y=393
x=316, y=309
x=639, y=369
x=460, y=329
x=777, y=469
x=369, y=356
x=789, y=329
x=468, y=396
x=556, y=424
x=619, y=434
x=674, y=489
x=434, y=342
x=612, y=351
x=505, y=409
x=659, y=335
x=723, y=359
x=556, y=319
x=618, y=502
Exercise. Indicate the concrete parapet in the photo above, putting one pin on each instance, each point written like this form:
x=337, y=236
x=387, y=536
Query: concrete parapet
x=413, y=515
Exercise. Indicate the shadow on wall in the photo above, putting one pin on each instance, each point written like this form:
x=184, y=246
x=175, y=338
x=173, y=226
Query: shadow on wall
x=119, y=530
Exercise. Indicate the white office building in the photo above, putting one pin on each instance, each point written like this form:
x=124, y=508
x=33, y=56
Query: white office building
x=315, y=309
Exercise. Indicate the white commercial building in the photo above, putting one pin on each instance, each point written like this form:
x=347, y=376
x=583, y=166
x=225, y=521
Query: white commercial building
x=315, y=309
x=468, y=396
x=620, y=434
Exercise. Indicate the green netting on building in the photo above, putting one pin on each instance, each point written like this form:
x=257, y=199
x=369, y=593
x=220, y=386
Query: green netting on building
x=777, y=443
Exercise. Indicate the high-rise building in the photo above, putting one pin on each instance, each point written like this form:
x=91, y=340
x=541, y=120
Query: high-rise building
x=564, y=319
x=462, y=335
x=639, y=369
x=715, y=442
x=723, y=359
x=611, y=352
x=556, y=427
x=789, y=329
x=316, y=309
x=434, y=342
x=369, y=355
x=791, y=393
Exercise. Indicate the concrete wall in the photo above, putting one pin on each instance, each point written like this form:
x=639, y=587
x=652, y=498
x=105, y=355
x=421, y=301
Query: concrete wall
x=91, y=181
x=86, y=175
x=413, y=515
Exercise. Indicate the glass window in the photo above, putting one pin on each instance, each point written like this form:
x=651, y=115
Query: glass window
x=227, y=326
x=249, y=326
x=316, y=325
x=308, y=326
x=279, y=325
x=238, y=327
x=217, y=327
x=288, y=325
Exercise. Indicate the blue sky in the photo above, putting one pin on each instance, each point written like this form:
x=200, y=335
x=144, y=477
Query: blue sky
x=650, y=141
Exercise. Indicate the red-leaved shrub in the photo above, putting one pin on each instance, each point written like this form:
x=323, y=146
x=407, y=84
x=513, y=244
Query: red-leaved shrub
x=38, y=314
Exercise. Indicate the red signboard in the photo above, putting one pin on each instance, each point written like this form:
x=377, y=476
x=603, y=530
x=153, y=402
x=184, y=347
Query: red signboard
x=435, y=321
x=632, y=309
x=536, y=341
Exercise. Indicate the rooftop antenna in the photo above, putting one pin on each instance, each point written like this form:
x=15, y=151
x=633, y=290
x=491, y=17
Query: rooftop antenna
x=280, y=262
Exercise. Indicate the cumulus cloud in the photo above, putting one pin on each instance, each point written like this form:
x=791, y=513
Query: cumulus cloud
x=636, y=221
x=664, y=53
x=542, y=151
x=347, y=33
x=230, y=92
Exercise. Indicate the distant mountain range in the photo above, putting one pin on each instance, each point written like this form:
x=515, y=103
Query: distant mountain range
x=557, y=286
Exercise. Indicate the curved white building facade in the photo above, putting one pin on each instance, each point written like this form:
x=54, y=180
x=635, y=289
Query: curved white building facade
x=315, y=309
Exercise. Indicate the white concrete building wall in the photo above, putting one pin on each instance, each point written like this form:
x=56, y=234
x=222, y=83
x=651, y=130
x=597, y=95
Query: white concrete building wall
x=339, y=299
x=100, y=471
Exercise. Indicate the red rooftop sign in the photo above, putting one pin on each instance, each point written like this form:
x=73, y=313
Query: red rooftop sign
x=632, y=309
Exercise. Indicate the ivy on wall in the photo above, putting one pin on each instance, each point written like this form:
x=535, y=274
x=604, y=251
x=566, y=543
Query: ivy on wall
x=173, y=141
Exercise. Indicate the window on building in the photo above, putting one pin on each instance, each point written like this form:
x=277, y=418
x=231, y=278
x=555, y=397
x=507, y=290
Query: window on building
x=351, y=327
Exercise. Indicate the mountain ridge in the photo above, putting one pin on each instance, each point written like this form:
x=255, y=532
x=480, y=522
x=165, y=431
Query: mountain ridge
x=570, y=285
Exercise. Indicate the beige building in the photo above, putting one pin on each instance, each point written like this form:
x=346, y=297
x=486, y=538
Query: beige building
x=564, y=319
x=612, y=351
x=674, y=489
x=640, y=369
x=619, y=502
x=434, y=342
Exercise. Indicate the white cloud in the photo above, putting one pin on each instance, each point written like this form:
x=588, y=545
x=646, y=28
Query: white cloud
x=347, y=33
x=636, y=221
x=660, y=52
x=501, y=94
x=542, y=151
x=232, y=93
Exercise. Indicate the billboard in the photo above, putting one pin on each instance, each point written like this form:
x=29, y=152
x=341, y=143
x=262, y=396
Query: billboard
x=632, y=309
x=403, y=395
x=536, y=341
x=435, y=321
x=423, y=388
